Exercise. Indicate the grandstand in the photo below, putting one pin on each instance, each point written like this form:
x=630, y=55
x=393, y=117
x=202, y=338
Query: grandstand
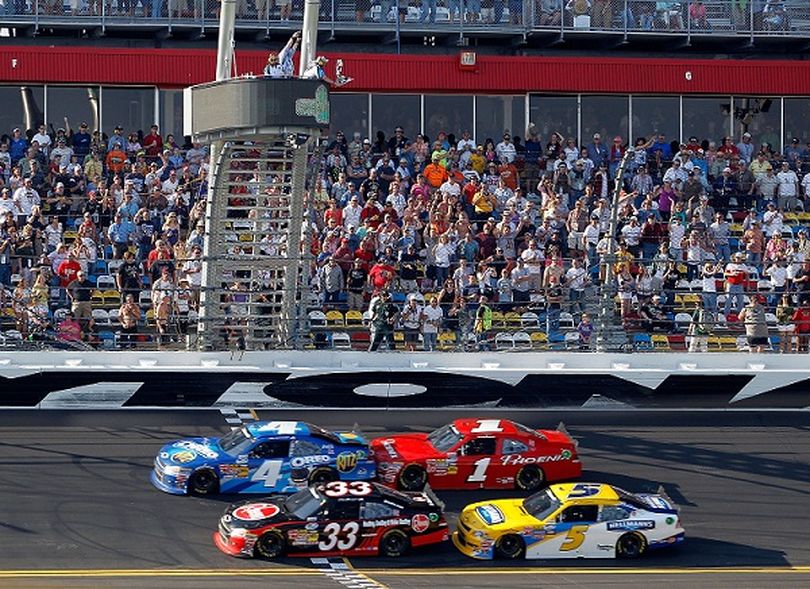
x=488, y=172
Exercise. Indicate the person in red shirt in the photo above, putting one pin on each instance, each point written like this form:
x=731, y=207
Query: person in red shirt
x=509, y=174
x=67, y=270
x=372, y=213
x=381, y=275
x=801, y=318
x=153, y=144
x=728, y=148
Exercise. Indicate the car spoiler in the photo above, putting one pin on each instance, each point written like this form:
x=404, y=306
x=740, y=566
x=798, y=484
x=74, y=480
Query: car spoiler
x=561, y=428
x=432, y=496
x=661, y=491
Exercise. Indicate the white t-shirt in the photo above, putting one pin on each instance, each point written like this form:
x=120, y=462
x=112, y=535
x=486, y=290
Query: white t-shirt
x=433, y=318
x=533, y=259
x=787, y=183
x=778, y=275
x=575, y=277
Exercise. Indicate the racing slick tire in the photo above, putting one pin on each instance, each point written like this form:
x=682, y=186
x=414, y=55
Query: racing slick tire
x=203, y=482
x=412, y=478
x=321, y=476
x=394, y=543
x=631, y=545
x=530, y=478
x=509, y=546
x=270, y=545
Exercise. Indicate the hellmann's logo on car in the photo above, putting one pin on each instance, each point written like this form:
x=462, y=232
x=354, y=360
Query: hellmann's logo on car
x=632, y=524
x=490, y=514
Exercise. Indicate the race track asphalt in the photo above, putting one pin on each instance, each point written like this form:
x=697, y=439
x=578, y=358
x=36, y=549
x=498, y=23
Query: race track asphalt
x=77, y=509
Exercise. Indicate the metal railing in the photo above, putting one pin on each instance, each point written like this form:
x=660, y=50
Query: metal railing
x=753, y=18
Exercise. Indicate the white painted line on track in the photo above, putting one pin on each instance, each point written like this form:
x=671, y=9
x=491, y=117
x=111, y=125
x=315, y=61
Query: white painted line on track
x=340, y=571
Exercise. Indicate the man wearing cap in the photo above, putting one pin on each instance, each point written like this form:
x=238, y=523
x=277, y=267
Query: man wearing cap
x=735, y=274
x=505, y=150
x=383, y=315
x=153, y=144
x=788, y=189
x=597, y=152
x=62, y=150
x=315, y=70
x=724, y=188
x=746, y=148
x=793, y=152
x=754, y=241
x=17, y=146
x=80, y=141
x=43, y=139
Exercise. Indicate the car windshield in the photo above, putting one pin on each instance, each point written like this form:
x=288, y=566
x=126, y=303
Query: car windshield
x=237, y=442
x=541, y=505
x=304, y=503
x=444, y=438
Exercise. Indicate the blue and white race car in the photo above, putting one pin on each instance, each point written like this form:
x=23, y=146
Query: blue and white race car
x=262, y=457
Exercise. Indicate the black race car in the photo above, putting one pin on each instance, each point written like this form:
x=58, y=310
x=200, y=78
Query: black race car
x=339, y=518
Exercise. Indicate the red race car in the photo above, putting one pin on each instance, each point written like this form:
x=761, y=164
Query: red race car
x=357, y=518
x=477, y=454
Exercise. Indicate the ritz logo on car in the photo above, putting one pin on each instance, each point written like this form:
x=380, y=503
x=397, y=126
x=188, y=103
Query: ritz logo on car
x=347, y=461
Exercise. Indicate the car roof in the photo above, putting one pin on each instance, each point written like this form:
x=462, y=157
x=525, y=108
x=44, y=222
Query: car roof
x=597, y=492
x=265, y=429
x=487, y=427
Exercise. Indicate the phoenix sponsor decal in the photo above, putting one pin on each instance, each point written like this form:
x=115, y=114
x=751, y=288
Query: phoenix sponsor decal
x=631, y=524
x=420, y=522
x=256, y=511
x=347, y=461
x=490, y=514
x=302, y=537
x=519, y=459
x=238, y=471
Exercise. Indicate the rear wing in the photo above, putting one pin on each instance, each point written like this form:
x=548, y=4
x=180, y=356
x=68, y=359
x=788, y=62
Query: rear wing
x=662, y=492
x=432, y=496
x=561, y=428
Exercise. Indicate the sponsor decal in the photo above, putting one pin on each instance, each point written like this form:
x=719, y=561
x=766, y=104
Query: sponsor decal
x=183, y=456
x=384, y=523
x=434, y=517
x=347, y=461
x=605, y=546
x=256, y=511
x=200, y=449
x=390, y=447
x=631, y=524
x=164, y=455
x=490, y=514
x=302, y=537
x=442, y=466
x=519, y=459
x=303, y=461
x=670, y=521
x=238, y=471
x=420, y=522
x=311, y=526
x=656, y=502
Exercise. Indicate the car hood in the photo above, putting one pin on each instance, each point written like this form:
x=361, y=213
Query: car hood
x=254, y=513
x=500, y=515
x=191, y=452
x=403, y=447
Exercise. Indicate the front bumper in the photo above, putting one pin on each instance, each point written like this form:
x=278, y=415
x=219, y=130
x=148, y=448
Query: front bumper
x=473, y=547
x=165, y=486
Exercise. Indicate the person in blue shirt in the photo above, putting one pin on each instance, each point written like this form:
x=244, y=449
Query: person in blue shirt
x=662, y=144
x=597, y=152
x=17, y=147
x=119, y=234
x=80, y=141
x=281, y=65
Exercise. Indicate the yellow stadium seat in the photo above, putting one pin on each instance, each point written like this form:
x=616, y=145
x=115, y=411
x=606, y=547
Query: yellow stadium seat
x=660, y=342
x=354, y=319
x=512, y=320
x=498, y=319
x=335, y=319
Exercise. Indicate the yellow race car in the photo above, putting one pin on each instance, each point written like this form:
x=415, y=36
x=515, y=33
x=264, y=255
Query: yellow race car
x=571, y=520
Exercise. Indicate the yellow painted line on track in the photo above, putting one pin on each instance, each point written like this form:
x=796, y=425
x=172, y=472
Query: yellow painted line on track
x=292, y=572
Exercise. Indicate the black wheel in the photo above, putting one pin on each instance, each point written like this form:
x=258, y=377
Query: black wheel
x=509, y=546
x=270, y=545
x=530, y=478
x=321, y=476
x=394, y=543
x=203, y=482
x=630, y=546
x=412, y=478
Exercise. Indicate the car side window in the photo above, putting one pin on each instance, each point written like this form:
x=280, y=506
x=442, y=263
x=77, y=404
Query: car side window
x=344, y=509
x=613, y=512
x=271, y=449
x=371, y=510
x=480, y=447
x=511, y=446
x=585, y=514
x=304, y=448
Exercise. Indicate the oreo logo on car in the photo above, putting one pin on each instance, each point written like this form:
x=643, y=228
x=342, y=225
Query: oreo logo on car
x=631, y=524
x=302, y=461
x=256, y=511
x=490, y=514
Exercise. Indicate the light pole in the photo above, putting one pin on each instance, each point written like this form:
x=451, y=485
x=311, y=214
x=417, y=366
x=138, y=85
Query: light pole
x=607, y=336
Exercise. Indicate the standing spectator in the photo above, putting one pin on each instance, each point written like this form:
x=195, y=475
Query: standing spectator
x=483, y=324
x=128, y=278
x=786, y=326
x=80, y=291
x=120, y=233
x=801, y=283
x=585, y=331
x=699, y=328
x=331, y=281
x=801, y=318
x=754, y=241
x=129, y=315
x=756, y=325
x=382, y=314
x=153, y=144
x=788, y=190
x=432, y=317
x=411, y=320
x=736, y=275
